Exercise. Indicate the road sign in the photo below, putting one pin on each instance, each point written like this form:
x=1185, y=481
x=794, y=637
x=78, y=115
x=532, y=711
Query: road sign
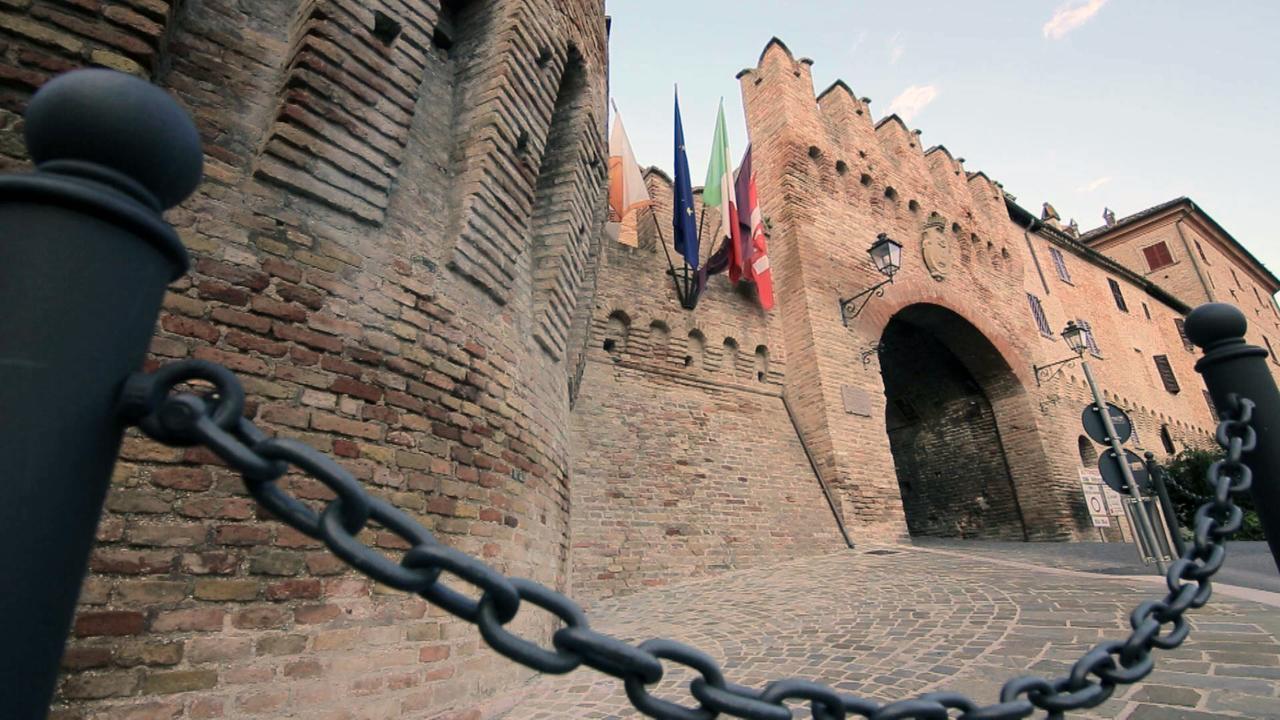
x=1113, y=475
x=1097, y=505
x=1092, y=421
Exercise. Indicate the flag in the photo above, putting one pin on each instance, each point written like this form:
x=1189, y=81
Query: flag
x=719, y=191
x=627, y=190
x=754, y=255
x=686, y=226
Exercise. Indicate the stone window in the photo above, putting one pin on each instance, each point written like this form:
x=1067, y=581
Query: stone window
x=1213, y=409
x=1119, y=296
x=1201, y=251
x=1167, y=440
x=1181, y=325
x=1059, y=264
x=1157, y=256
x=1146, y=310
x=696, y=349
x=1166, y=373
x=1236, y=278
x=1037, y=312
x=762, y=362
x=1270, y=350
x=617, y=333
x=730, y=359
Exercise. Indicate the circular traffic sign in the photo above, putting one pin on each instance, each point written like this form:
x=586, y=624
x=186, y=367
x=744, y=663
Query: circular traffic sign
x=1095, y=429
x=1113, y=474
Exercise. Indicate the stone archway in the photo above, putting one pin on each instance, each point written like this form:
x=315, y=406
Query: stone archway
x=948, y=394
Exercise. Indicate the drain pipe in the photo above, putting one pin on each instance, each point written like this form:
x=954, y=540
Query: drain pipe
x=826, y=491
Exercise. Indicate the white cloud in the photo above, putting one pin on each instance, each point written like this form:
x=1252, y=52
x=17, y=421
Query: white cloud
x=1093, y=184
x=911, y=101
x=1071, y=16
x=896, y=48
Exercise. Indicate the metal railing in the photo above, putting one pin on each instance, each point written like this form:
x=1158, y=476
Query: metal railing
x=84, y=260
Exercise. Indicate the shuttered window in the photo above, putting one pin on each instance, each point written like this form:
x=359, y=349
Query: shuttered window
x=1119, y=296
x=1037, y=312
x=1157, y=256
x=1059, y=264
x=1166, y=373
x=1182, y=333
x=1213, y=410
x=1089, y=340
x=1167, y=440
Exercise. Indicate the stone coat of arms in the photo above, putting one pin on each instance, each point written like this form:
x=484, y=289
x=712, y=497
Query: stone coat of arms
x=935, y=246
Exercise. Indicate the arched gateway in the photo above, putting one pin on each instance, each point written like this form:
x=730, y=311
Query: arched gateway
x=955, y=415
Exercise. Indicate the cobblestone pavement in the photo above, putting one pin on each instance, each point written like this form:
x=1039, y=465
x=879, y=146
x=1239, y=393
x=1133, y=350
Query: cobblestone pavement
x=910, y=621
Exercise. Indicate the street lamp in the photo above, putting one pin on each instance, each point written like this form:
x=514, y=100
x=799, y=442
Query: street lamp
x=1077, y=339
x=886, y=255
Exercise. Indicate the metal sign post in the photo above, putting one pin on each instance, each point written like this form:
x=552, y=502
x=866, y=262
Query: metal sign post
x=1143, y=527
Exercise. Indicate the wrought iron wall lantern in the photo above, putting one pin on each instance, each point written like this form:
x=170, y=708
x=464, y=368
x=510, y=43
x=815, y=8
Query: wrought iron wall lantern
x=886, y=254
x=1076, y=338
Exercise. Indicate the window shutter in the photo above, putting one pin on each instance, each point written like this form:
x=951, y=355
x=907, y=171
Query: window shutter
x=1037, y=312
x=1213, y=410
x=1090, y=341
x=1115, y=292
x=1182, y=333
x=1157, y=255
x=1166, y=373
x=1059, y=264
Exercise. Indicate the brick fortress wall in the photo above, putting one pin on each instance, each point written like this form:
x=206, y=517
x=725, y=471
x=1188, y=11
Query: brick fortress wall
x=401, y=207
x=685, y=460
x=832, y=178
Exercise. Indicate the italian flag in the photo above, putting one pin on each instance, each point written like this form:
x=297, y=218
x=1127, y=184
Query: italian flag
x=719, y=191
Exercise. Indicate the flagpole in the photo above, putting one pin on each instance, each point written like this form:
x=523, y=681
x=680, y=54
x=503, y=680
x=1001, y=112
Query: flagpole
x=667, y=251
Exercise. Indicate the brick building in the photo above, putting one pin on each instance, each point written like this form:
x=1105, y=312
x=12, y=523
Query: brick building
x=398, y=246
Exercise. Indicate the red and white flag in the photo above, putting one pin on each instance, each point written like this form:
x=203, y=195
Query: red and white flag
x=751, y=259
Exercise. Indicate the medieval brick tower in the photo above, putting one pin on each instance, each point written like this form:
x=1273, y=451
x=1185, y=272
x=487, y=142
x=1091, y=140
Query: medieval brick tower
x=399, y=246
x=399, y=222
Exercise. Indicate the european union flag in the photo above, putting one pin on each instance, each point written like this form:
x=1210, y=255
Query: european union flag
x=686, y=228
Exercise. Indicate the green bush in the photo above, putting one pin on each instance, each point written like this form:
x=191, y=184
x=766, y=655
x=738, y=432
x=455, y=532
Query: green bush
x=1188, y=488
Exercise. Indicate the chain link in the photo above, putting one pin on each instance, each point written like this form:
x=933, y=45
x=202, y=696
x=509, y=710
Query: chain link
x=216, y=421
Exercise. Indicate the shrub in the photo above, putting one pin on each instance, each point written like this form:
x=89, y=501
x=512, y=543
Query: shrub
x=1186, y=476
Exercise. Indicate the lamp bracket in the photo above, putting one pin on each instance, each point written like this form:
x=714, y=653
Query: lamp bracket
x=865, y=296
x=1042, y=371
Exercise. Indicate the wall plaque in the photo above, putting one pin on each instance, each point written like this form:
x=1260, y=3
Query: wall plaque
x=856, y=401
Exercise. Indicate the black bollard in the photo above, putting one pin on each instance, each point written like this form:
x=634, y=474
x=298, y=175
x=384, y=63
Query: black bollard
x=84, y=260
x=1231, y=366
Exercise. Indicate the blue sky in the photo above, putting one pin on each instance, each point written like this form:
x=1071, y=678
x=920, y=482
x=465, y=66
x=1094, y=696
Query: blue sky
x=1084, y=103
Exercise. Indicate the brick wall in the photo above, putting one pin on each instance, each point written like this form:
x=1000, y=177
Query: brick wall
x=348, y=145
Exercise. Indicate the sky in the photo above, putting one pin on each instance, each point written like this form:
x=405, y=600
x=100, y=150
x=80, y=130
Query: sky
x=1085, y=104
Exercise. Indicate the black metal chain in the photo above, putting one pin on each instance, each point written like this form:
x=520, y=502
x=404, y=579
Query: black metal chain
x=215, y=420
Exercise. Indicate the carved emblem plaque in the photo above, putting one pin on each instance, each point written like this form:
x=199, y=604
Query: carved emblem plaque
x=935, y=247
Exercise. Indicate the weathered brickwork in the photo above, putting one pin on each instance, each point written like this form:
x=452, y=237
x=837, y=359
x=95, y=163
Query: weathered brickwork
x=346, y=143
x=399, y=246
x=831, y=179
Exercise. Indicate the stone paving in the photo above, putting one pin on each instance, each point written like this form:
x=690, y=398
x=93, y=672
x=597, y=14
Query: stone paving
x=889, y=623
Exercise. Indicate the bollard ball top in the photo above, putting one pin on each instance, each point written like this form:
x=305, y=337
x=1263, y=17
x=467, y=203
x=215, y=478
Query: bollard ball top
x=120, y=122
x=1214, y=322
